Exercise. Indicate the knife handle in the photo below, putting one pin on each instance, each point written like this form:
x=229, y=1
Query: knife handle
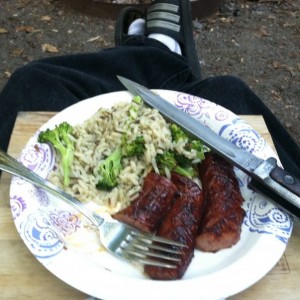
x=287, y=180
x=270, y=185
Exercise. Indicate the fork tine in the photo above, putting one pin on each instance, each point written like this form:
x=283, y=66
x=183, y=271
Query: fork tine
x=142, y=258
x=145, y=254
x=149, y=249
x=144, y=249
x=149, y=238
x=150, y=262
x=144, y=246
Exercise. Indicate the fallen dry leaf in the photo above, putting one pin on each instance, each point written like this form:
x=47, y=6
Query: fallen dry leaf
x=7, y=74
x=94, y=39
x=16, y=52
x=262, y=31
x=46, y=18
x=27, y=29
x=288, y=24
x=49, y=48
x=276, y=65
x=290, y=69
x=3, y=30
x=276, y=95
x=227, y=20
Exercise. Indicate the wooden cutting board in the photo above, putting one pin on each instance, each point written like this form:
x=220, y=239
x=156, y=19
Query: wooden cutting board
x=23, y=277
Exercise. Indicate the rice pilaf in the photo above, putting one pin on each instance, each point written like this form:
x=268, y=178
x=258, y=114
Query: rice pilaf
x=97, y=138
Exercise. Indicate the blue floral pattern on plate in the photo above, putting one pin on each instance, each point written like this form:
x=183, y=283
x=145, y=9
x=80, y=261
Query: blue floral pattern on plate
x=40, y=236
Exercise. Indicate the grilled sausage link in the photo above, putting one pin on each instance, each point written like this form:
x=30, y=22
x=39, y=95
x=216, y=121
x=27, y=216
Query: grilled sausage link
x=181, y=225
x=152, y=204
x=223, y=216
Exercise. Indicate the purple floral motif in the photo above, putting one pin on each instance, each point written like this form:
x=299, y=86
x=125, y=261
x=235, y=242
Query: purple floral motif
x=263, y=217
x=32, y=157
x=40, y=236
x=67, y=222
x=191, y=104
x=38, y=158
x=18, y=205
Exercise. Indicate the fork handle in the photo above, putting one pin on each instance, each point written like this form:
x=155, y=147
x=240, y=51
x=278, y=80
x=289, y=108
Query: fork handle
x=14, y=167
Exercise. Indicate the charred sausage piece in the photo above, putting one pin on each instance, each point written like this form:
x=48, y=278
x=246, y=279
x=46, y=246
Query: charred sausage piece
x=221, y=224
x=152, y=204
x=181, y=225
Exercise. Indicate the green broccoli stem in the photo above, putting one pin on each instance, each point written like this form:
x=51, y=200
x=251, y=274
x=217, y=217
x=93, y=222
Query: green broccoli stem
x=67, y=161
x=187, y=172
x=59, y=138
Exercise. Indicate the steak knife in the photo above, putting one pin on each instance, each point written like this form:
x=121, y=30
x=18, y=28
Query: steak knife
x=266, y=176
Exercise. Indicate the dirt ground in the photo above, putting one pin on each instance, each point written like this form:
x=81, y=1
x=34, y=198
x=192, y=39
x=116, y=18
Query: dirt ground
x=259, y=41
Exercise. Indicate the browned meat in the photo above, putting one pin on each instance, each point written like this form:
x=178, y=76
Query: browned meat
x=181, y=225
x=223, y=216
x=153, y=203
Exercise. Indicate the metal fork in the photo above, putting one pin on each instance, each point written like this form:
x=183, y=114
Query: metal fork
x=118, y=238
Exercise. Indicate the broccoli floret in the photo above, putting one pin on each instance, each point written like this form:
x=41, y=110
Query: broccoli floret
x=197, y=146
x=111, y=167
x=59, y=138
x=134, y=148
x=177, y=133
x=109, y=171
x=182, y=160
x=137, y=100
x=168, y=160
x=134, y=109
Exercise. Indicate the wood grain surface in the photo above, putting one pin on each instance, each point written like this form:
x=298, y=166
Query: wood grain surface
x=23, y=277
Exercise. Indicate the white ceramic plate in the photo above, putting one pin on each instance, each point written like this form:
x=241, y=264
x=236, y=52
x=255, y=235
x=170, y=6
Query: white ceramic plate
x=61, y=241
